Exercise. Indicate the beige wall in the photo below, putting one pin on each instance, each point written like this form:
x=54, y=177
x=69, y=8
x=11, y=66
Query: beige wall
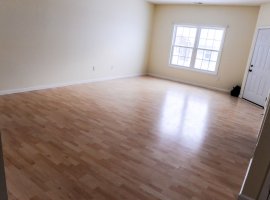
x=241, y=21
x=264, y=16
x=261, y=160
x=58, y=41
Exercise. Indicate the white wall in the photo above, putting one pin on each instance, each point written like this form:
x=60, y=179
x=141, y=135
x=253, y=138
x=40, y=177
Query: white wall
x=241, y=21
x=264, y=16
x=58, y=41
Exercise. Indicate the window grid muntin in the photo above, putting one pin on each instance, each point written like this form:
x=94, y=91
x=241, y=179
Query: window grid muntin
x=196, y=48
x=187, y=59
x=179, y=55
x=191, y=37
x=210, y=60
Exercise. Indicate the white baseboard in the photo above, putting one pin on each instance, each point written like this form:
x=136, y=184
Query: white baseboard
x=243, y=197
x=43, y=87
x=186, y=82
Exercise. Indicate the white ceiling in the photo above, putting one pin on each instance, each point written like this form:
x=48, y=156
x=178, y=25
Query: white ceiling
x=212, y=2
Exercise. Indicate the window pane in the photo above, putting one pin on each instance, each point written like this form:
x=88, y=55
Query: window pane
x=198, y=64
x=193, y=32
x=176, y=51
x=211, y=39
x=185, y=36
x=200, y=54
x=211, y=34
x=202, y=44
x=214, y=56
x=204, y=33
x=209, y=44
x=187, y=62
x=206, y=60
x=181, y=61
x=217, y=45
x=205, y=65
x=181, y=56
x=207, y=55
x=179, y=31
x=212, y=66
x=183, y=52
x=174, y=60
x=219, y=35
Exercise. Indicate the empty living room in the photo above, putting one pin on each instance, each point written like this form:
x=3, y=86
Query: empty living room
x=134, y=100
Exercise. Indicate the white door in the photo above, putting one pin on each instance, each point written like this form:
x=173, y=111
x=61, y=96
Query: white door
x=258, y=82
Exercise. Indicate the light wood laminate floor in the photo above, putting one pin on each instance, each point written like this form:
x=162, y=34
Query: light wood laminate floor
x=139, y=138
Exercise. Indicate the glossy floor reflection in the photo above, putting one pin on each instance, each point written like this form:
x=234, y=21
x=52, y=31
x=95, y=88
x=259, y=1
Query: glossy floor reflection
x=184, y=118
x=139, y=138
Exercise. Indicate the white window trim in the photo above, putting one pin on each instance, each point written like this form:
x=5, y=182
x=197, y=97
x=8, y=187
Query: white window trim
x=194, y=54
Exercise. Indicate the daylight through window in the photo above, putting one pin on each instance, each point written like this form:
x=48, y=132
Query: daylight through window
x=197, y=48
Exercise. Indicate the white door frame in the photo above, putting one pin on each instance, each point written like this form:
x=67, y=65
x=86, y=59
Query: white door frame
x=250, y=58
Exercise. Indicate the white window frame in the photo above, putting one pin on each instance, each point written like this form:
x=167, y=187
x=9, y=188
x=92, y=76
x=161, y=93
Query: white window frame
x=195, y=48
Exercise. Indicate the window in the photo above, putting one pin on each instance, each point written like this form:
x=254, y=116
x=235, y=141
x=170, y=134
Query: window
x=197, y=48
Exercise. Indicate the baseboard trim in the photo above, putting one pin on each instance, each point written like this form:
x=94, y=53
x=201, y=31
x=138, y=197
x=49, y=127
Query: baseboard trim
x=186, y=82
x=44, y=87
x=243, y=197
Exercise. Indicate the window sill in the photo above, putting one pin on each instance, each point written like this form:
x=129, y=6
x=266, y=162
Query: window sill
x=215, y=73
